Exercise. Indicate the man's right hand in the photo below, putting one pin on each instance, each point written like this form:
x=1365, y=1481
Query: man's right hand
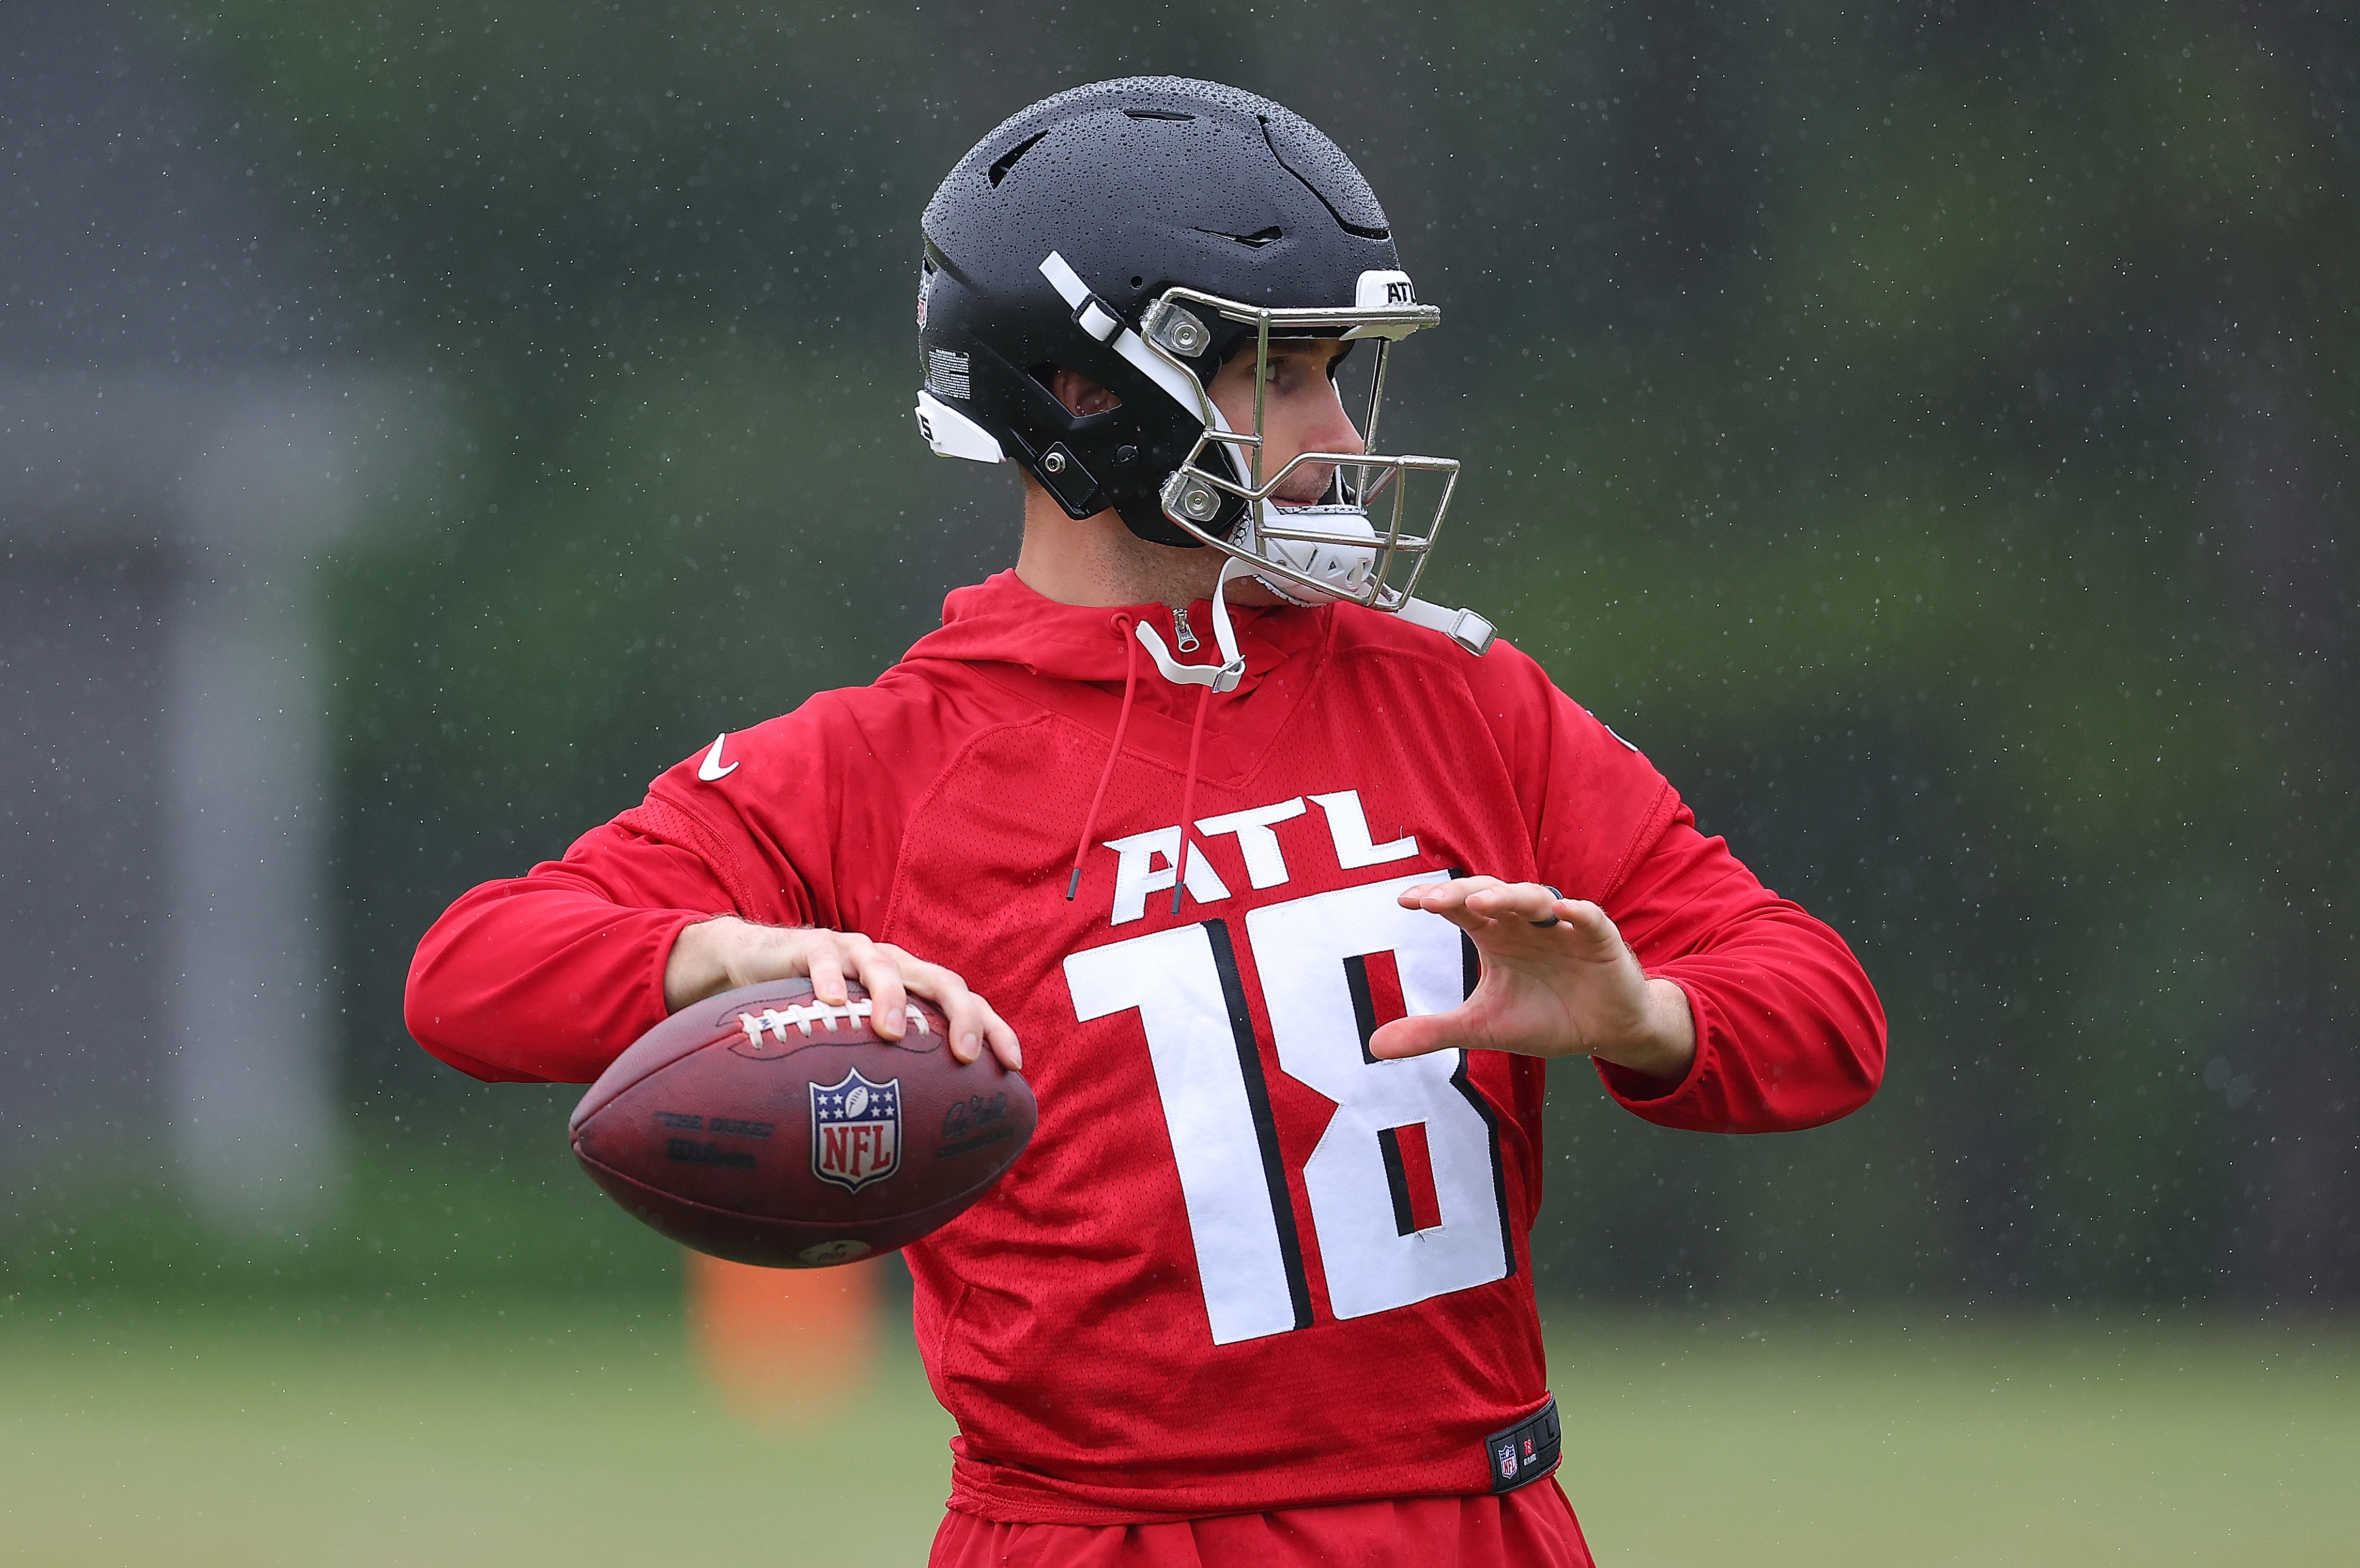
x=722, y=955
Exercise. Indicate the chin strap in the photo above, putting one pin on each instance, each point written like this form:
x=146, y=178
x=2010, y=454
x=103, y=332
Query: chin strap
x=1221, y=677
x=1097, y=317
x=1464, y=627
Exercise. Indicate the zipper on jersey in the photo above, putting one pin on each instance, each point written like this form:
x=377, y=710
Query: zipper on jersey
x=1181, y=637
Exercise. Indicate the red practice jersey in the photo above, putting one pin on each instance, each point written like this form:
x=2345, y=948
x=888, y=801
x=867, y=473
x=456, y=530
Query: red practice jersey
x=1242, y=1265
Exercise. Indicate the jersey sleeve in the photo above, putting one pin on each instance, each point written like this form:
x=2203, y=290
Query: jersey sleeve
x=1789, y=1031
x=546, y=977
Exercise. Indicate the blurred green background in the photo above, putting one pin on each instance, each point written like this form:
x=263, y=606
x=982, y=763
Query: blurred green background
x=1925, y=430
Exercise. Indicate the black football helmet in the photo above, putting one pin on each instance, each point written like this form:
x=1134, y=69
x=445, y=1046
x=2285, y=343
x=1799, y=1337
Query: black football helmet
x=1140, y=232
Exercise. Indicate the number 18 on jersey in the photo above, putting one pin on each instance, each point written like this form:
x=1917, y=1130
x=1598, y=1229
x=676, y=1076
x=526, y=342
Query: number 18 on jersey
x=1391, y=1229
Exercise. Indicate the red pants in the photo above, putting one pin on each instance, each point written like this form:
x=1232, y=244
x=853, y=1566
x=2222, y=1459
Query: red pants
x=1532, y=1527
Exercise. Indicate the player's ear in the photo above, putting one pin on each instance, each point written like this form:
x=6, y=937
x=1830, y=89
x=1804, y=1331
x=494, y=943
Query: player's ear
x=1080, y=394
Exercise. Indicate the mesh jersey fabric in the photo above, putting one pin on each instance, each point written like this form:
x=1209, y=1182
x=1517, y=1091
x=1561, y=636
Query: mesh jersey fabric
x=1242, y=1267
x=1532, y=1526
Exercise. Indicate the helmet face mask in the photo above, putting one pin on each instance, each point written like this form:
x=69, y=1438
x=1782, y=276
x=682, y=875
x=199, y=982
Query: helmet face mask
x=1335, y=549
x=1141, y=234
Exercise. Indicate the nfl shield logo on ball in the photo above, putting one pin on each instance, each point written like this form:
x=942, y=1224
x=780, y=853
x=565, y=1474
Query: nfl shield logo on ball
x=856, y=1130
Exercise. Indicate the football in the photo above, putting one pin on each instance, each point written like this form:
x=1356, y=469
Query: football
x=765, y=1126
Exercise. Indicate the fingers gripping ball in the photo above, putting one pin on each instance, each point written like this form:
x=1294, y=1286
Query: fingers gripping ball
x=765, y=1126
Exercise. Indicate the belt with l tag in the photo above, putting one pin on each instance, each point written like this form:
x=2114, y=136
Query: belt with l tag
x=1525, y=1452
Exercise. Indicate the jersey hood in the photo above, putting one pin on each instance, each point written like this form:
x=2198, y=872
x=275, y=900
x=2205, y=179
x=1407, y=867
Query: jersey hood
x=1073, y=658
x=1000, y=621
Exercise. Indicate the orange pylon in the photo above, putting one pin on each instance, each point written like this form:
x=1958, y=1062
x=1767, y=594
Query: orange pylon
x=783, y=1347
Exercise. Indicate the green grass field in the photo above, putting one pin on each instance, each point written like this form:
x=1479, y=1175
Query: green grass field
x=526, y=1434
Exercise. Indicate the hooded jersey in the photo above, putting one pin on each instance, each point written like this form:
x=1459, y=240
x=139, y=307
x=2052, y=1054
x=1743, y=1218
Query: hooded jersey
x=1243, y=1266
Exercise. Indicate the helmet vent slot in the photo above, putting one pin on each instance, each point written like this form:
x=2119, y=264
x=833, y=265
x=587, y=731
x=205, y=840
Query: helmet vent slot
x=1158, y=114
x=1258, y=239
x=999, y=170
x=1313, y=155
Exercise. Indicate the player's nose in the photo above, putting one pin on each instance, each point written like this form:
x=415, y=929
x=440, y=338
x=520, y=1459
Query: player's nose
x=1333, y=429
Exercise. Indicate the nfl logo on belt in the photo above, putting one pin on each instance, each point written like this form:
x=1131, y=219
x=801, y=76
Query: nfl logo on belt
x=1507, y=1462
x=856, y=1130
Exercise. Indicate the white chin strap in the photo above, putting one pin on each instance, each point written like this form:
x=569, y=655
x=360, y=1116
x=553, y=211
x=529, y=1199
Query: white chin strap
x=1341, y=560
x=1344, y=565
x=1464, y=627
x=1221, y=677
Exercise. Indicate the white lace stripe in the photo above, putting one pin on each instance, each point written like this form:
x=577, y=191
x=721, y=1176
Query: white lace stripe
x=799, y=1015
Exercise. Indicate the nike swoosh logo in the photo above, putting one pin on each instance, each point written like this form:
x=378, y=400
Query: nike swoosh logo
x=710, y=770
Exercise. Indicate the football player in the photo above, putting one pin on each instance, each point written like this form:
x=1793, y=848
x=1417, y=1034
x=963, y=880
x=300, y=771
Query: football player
x=1288, y=881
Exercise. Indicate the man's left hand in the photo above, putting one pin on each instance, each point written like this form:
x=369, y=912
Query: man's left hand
x=1558, y=980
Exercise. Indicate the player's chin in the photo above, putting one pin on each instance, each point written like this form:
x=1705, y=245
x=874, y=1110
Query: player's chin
x=1248, y=593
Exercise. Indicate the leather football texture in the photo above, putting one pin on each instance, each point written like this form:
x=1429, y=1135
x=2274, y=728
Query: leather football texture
x=764, y=1126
